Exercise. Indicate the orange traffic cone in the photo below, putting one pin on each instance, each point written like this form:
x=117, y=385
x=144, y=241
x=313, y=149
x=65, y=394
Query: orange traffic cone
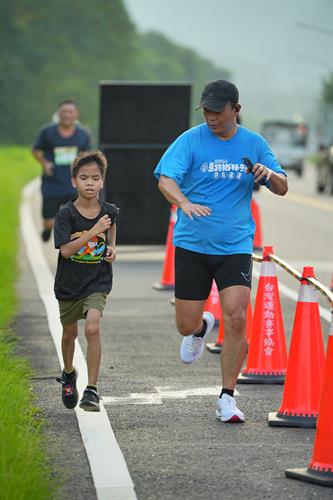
x=267, y=356
x=320, y=469
x=216, y=348
x=258, y=239
x=304, y=377
x=213, y=304
x=168, y=271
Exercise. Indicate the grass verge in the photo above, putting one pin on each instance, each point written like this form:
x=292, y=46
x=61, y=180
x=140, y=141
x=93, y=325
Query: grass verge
x=24, y=472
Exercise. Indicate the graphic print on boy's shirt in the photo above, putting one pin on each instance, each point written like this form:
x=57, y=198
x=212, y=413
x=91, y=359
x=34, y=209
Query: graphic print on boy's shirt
x=92, y=252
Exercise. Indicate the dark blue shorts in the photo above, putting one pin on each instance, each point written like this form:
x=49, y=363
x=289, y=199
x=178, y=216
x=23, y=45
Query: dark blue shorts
x=194, y=273
x=52, y=204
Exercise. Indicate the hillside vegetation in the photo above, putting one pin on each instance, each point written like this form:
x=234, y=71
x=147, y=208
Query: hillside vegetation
x=59, y=49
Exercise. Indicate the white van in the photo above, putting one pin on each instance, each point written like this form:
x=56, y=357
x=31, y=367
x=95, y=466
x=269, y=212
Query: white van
x=288, y=141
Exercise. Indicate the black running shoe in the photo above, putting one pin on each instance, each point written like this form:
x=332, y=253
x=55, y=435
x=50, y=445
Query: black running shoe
x=46, y=234
x=69, y=391
x=90, y=400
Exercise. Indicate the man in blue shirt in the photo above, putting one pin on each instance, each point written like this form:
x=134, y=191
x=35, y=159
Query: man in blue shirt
x=203, y=173
x=55, y=148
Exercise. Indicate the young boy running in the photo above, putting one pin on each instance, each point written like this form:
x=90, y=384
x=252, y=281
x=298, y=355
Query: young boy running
x=85, y=234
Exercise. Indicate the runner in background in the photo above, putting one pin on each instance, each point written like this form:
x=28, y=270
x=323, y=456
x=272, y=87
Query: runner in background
x=55, y=148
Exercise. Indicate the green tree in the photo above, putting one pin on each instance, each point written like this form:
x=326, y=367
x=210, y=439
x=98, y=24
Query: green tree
x=165, y=60
x=58, y=49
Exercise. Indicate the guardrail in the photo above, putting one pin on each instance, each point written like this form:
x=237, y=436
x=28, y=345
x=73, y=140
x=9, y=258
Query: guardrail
x=296, y=274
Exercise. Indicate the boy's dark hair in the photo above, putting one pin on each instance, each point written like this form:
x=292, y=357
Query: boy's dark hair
x=67, y=101
x=89, y=157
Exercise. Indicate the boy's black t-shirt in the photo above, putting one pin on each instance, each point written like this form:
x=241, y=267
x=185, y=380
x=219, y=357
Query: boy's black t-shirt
x=86, y=272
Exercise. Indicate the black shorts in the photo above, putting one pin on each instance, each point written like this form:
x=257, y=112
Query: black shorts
x=194, y=273
x=52, y=204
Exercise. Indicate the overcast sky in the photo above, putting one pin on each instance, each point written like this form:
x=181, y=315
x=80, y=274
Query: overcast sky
x=277, y=64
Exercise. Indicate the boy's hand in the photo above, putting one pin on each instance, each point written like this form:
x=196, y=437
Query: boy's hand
x=102, y=225
x=110, y=254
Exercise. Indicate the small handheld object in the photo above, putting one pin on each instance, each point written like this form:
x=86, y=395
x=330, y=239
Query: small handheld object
x=248, y=163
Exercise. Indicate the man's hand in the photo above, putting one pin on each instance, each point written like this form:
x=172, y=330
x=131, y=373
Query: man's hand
x=191, y=209
x=110, y=254
x=102, y=225
x=48, y=168
x=260, y=171
x=278, y=183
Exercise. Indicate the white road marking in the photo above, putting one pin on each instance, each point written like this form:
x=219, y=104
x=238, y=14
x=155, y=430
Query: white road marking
x=135, y=398
x=156, y=398
x=140, y=253
x=108, y=467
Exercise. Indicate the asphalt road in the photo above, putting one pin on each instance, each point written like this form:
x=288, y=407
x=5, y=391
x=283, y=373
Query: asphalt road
x=162, y=412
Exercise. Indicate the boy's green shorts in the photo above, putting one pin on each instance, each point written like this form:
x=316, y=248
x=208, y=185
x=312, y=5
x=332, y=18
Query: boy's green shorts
x=73, y=310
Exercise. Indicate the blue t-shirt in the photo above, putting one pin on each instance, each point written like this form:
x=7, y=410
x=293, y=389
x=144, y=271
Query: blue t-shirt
x=210, y=171
x=61, y=151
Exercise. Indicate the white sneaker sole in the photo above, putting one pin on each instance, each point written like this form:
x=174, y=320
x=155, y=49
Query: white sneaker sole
x=233, y=419
x=196, y=358
x=210, y=320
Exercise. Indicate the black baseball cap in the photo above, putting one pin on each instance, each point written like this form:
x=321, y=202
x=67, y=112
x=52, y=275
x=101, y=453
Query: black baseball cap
x=216, y=94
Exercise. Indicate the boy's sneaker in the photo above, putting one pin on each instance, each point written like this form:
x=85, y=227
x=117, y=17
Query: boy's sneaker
x=192, y=347
x=227, y=410
x=90, y=400
x=69, y=391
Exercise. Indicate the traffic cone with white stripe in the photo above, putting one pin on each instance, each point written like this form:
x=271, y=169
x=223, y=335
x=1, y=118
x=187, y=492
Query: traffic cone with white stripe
x=213, y=304
x=267, y=355
x=168, y=272
x=255, y=209
x=320, y=469
x=304, y=377
x=215, y=348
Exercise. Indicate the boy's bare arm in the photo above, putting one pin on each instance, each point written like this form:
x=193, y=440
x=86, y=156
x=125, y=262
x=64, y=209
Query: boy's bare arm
x=112, y=235
x=111, y=250
x=70, y=248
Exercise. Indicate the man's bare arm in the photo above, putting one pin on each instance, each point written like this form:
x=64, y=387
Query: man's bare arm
x=171, y=191
x=47, y=165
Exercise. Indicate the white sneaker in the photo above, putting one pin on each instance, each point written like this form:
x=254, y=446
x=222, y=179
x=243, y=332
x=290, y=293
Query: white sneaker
x=192, y=347
x=227, y=410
